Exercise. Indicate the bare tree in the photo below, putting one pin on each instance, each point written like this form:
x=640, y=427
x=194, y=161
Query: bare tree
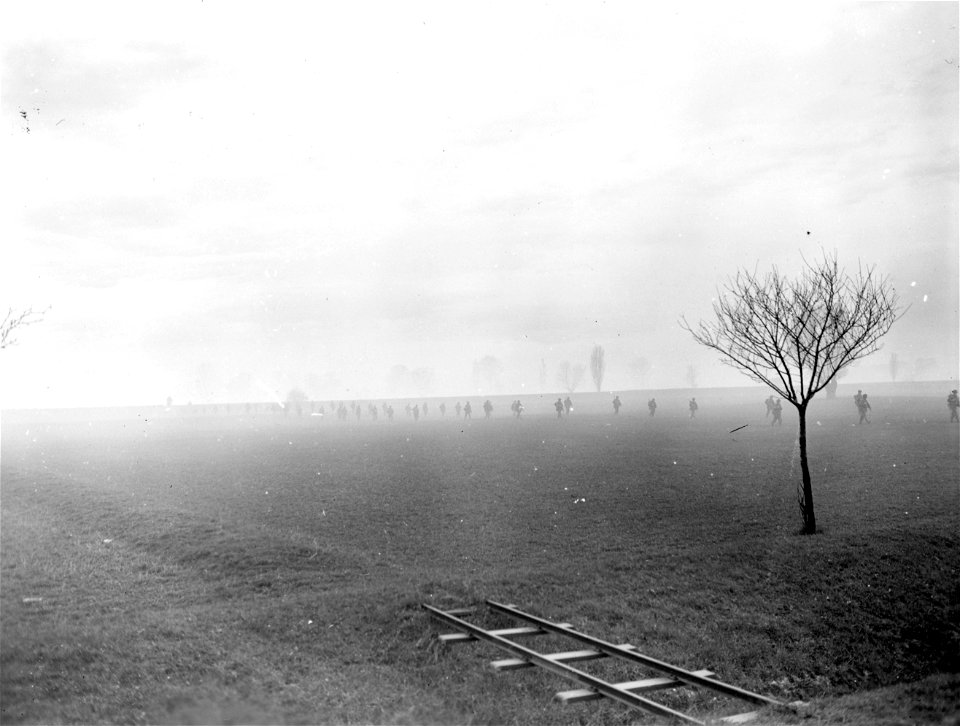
x=296, y=399
x=795, y=336
x=404, y=381
x=577, y=372
x=598, y=365
x=894, y=366
x=14, y=320
x=570, y=376
x=563, y=375
x=487, y=371
x=691, y=375
x=640, y=367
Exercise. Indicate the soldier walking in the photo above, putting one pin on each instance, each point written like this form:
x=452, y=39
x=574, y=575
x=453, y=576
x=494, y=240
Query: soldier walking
x=953, y=403
x=863, y=405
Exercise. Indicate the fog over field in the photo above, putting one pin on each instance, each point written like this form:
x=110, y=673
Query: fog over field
x=220, y=202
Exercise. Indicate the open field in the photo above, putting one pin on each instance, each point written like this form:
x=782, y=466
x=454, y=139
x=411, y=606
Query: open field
x=240, y=568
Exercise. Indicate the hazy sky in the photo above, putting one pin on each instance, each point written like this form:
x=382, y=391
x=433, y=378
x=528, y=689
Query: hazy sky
x=221, y=200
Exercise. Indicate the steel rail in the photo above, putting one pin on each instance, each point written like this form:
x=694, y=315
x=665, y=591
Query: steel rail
x=607, y=689
x=632, y=655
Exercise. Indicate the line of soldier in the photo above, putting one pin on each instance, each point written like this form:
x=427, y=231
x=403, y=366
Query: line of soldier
x=563, y=407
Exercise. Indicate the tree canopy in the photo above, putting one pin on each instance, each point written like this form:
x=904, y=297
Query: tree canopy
x=795, y=335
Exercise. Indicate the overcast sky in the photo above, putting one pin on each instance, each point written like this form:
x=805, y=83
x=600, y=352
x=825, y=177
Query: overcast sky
x=221, y=201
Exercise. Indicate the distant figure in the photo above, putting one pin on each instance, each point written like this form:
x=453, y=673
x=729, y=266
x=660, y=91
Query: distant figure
x=559, y=406
x=443, y=409
x=652, y=405
x=862, y=407
x=777, y=410
x=770, y=404
x=416, y=412
x=424, y=409
x=458, y=409
x=693, y=407
x=953, y=403
x=389, y=413
x=857, y=398
x=567, y=405
x=487, y=408
x=517, y=408
x=467, y=411
x=616, y=405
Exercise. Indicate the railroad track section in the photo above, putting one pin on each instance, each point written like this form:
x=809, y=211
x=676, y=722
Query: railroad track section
x=592, y=688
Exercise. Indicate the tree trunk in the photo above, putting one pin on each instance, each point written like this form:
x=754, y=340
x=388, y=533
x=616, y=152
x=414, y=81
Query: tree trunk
x=805, y=491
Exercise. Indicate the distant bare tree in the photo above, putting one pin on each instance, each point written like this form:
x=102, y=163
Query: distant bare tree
x=691, y=376
x=398, y=380
x=640, y=367
x=795, y=336
x=404, y=381
x=570, y=376
x=543, y=375
x=598, y=365
x=422, y=380
x=296, y=399
x=894, y=366
x=563, y=375
x=487, y=372
x=831, y=387
x=577, y=373
x=12, y=321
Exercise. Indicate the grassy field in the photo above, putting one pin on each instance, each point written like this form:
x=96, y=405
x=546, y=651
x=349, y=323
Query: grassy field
x=163, y=567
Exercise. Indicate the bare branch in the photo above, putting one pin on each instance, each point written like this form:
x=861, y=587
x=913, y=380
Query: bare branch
x=796, y=335
x=12, y=321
